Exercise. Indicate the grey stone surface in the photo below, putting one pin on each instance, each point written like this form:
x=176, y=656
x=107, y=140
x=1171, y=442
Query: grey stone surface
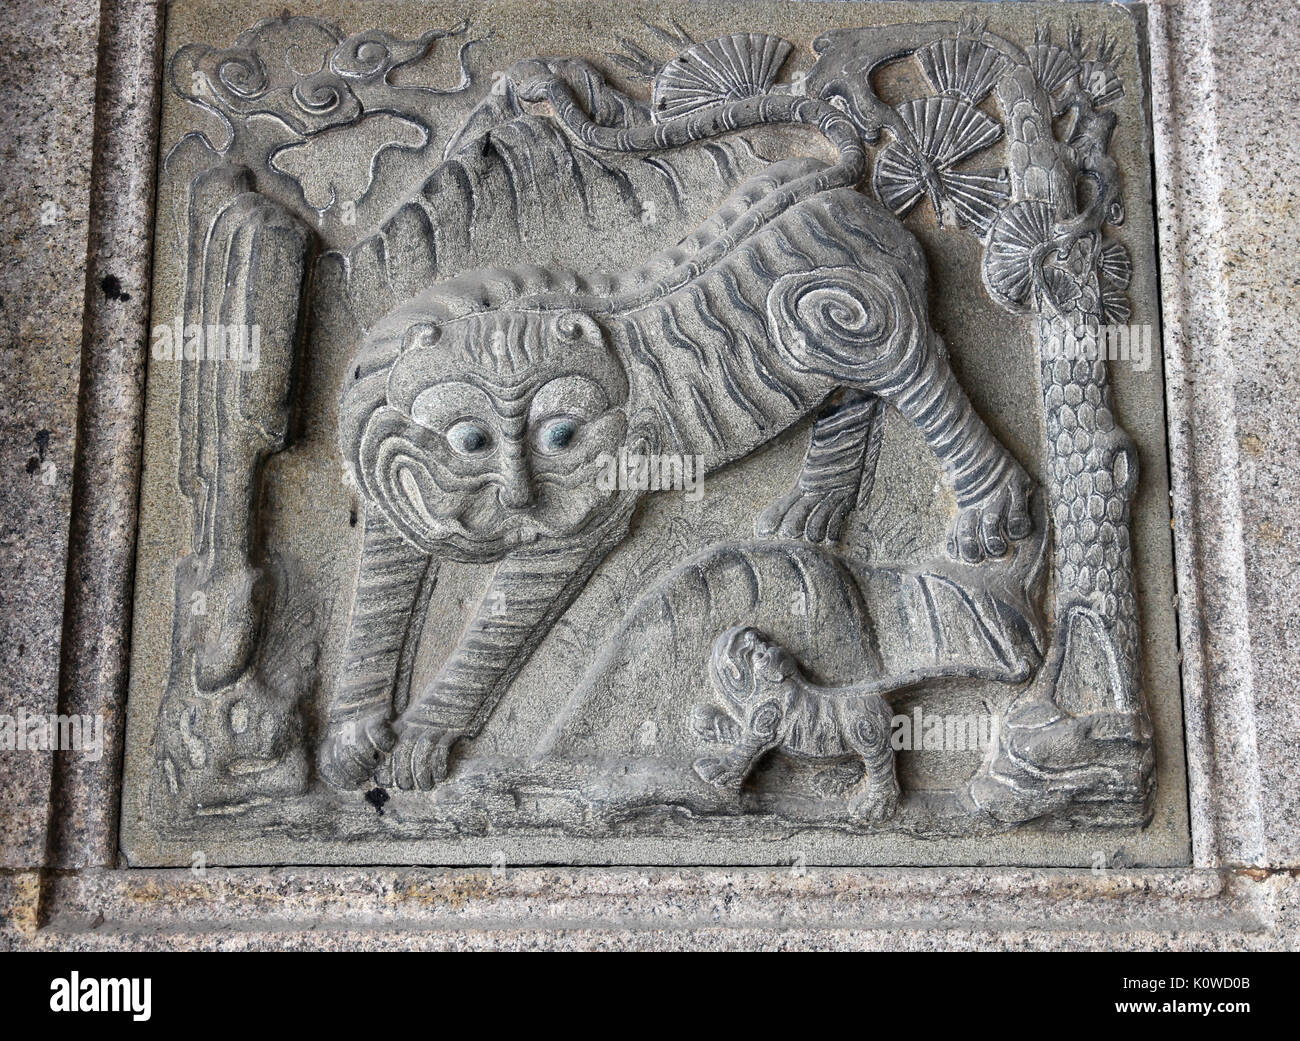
x=558, y=724
x=43, y=221
x=656, y=909
x=1229, y=204
x=83, y=821
x=1220, y=279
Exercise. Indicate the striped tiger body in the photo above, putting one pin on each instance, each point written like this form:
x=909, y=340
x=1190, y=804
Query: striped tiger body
x=475, y=417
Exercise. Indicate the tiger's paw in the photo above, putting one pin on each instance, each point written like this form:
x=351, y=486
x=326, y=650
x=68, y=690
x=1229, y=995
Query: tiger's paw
x=722, y=771
x=712, y=724
x=352, y=751
x=876, y=802
x=806, y=515
x=986, y=526
x=419, y=758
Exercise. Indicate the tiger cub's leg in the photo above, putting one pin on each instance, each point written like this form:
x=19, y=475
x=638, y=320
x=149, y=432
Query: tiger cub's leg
x=867, y=726
x=714, y=725
x=388, y=609
x=836, y=475
x=730, y=769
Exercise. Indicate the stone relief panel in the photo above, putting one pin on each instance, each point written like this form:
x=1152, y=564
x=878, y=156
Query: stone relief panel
x=654, y=434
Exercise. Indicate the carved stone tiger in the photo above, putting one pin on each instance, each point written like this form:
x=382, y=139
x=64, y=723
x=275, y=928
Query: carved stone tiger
x=476, y=415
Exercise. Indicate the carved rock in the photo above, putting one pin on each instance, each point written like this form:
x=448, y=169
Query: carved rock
x=599, y=470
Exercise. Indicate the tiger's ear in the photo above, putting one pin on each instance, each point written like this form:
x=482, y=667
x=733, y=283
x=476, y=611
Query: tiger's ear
x=577, y=327
x=419, y=335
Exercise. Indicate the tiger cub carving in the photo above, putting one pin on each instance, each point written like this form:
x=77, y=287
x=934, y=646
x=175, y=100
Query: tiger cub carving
x=768, y=704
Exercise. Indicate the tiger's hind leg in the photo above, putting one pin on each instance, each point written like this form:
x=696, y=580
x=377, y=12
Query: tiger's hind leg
x=865, y=327
x=837, y=473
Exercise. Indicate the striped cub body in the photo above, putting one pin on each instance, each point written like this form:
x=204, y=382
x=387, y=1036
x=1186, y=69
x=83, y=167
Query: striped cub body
x=769, y=705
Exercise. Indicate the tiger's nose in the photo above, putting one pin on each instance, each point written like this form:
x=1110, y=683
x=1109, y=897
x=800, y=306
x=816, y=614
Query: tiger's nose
x=516, y=489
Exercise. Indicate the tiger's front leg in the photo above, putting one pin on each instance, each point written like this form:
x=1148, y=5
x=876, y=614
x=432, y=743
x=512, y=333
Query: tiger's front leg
x=715, y=725
x=730, y=770
x=752, y=739
x=393, y=587
x=527, y=595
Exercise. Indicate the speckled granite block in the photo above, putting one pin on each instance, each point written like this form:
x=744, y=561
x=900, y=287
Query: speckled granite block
x=1226, y=129
x=102, y=535
x=1224, y=117
x=1258, y=280
x=48, y=78
x=655, y=909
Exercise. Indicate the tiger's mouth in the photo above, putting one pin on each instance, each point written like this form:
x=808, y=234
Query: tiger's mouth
x=469, y=518
x=546, y=522
x=513, y=533
x=510, y=533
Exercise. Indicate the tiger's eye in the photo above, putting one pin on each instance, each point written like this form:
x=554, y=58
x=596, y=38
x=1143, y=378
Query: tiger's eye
x=468, y=437
x=557, y=434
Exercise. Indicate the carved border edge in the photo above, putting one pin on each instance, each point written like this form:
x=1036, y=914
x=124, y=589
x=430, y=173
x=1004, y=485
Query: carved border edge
x=85, y=796
x=1224, y=798
x=94, y=668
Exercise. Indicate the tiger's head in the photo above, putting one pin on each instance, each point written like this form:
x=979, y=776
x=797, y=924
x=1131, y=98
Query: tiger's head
x=479, y=435
x=747, y=666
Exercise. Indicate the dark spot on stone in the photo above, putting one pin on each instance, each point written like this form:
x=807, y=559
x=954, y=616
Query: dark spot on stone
x=33, y=464
x=112, y=288
x=352, y=520
x=22, y=649
x=377, y=797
